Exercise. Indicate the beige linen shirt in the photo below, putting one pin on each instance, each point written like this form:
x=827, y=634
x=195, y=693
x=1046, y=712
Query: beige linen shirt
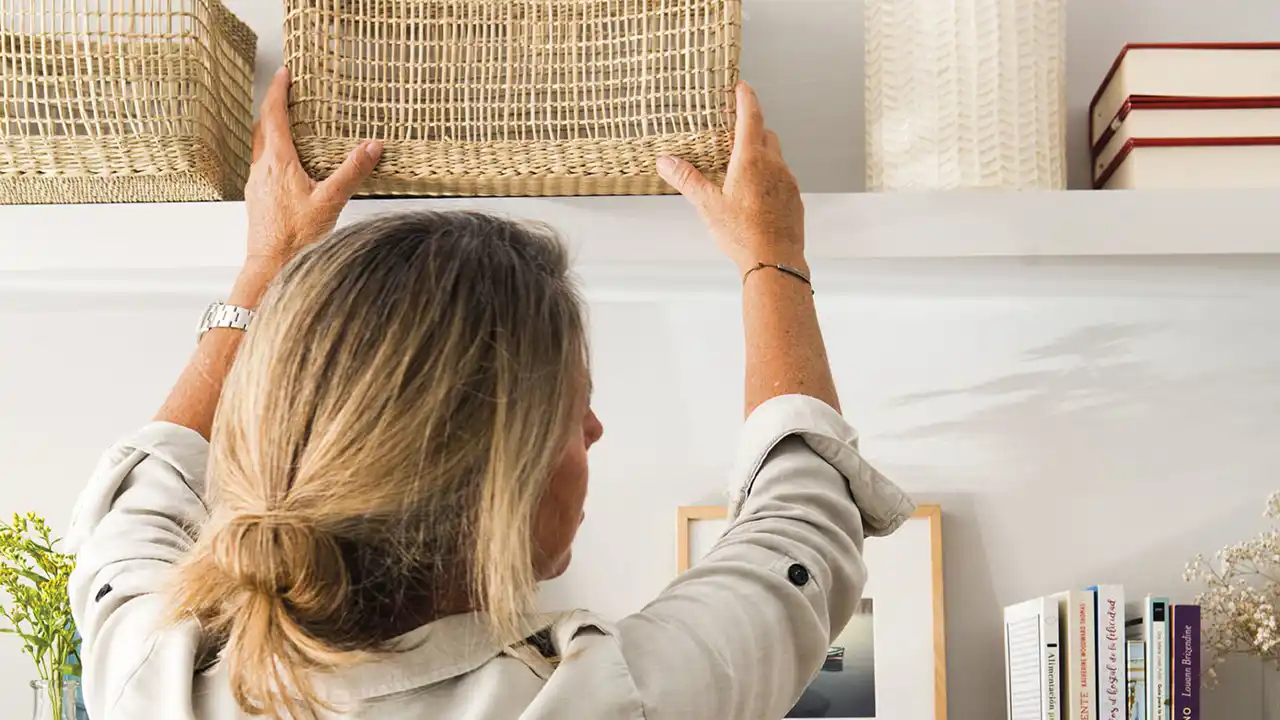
x=738, y=636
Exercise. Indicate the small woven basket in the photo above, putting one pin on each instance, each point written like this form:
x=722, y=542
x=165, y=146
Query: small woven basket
x=124, y=101
x=514, y=97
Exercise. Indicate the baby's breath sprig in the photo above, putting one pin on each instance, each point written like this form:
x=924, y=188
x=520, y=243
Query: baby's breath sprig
x=1240, y=597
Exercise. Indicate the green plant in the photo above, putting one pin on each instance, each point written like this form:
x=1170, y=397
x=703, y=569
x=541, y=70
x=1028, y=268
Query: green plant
x=34, y=575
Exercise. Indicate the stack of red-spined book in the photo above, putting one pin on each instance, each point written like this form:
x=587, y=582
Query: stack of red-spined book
x=1190, y=115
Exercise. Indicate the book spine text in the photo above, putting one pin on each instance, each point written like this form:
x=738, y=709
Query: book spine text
x=1110, y=652
x=1186, y=662
x=1158, y=661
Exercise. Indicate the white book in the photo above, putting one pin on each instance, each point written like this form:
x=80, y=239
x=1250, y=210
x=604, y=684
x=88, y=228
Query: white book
x=1198, y=163
x=1150, y=623
x=1197, y=71
x=1183, y=121
x=1110, y=650
x=1032, y=667
x=1076, y=621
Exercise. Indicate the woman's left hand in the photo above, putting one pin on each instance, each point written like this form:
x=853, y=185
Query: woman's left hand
x=287, y=209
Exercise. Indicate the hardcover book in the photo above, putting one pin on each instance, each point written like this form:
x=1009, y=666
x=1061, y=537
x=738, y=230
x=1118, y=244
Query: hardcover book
x=1032, y=668
x=1110, y=650
x=1174, y=123
x=1186, y=70
x=1185, y=689
x=1194, y=162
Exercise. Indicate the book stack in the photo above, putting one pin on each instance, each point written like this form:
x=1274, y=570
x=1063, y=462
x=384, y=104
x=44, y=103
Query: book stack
x=1196, y=115
x=1089, y=655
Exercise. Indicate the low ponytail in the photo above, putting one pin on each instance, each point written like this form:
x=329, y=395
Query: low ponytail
x=381, y=449
x=257, y=581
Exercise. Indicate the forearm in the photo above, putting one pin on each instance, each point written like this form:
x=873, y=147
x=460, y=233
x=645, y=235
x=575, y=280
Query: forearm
x=785, y=351
x=194, y=399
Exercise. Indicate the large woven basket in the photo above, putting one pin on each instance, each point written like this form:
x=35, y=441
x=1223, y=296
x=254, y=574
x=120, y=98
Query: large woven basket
x=123, y=101
x=514, y=97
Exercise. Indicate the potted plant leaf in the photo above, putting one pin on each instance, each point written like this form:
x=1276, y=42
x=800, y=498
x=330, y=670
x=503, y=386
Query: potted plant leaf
x=33, y=576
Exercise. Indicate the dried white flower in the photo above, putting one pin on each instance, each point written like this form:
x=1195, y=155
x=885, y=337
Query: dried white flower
x=1242, y=592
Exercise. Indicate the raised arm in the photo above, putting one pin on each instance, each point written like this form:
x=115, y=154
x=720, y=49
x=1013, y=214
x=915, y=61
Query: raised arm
x=757, y=219
x=287, y=212
x=744, y=631
x=144, y=505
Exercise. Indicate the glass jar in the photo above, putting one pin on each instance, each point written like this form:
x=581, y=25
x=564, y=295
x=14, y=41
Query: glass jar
x=56, y=705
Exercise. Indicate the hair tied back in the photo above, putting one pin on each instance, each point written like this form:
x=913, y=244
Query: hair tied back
x=285, y=556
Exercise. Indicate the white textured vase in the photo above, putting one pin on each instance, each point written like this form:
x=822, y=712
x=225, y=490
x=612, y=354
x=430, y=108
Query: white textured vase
x=966, y=94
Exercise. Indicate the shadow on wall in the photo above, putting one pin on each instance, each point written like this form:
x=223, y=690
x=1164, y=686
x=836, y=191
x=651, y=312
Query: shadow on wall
x=1090, y=416
x=1090, y=437
x=1103, y=467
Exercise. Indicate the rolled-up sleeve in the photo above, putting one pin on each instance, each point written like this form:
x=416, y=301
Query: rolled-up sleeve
x=743, y=632
x=138, y=516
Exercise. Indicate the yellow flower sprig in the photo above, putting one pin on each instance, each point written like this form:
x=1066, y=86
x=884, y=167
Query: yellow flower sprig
x=33, y=576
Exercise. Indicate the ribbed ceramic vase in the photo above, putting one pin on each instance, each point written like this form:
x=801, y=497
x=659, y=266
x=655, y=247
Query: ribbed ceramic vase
x=966, y=94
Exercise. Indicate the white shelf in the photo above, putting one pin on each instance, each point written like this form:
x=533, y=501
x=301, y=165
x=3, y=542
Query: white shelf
x=653, y=232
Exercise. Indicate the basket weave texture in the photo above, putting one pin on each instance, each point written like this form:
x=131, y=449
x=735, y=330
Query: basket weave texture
x=124, y=101
x=514, y=97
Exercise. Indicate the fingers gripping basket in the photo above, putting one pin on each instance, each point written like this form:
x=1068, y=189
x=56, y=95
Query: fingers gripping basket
x=514, y=97
x=123, y=101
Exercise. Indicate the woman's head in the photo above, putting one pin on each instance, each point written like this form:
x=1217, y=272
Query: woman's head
x=403, y=436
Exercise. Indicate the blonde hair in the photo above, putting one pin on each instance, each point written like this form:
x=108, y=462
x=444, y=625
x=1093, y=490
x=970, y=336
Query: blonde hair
x=384, y=438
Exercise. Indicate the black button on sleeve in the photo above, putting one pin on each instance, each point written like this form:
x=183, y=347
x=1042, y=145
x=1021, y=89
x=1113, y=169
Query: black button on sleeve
x=798, y=575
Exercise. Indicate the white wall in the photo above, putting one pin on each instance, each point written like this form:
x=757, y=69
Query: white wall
x=1079, y=423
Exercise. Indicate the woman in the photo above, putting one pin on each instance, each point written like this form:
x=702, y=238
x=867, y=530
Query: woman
x=399, y=456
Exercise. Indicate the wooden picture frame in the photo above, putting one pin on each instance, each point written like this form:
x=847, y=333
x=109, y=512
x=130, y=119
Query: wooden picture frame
x=687, y=517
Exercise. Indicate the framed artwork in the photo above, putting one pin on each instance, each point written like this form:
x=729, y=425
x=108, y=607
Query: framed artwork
x=890, y=661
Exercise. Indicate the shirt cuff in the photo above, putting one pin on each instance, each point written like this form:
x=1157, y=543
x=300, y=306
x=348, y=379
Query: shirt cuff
x=883, y=505
x=182, y=448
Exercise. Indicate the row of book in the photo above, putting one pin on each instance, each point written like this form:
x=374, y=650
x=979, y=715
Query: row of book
x=1089, y=655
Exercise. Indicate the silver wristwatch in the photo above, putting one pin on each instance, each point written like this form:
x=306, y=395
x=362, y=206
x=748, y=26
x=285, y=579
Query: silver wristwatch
x=222, y=315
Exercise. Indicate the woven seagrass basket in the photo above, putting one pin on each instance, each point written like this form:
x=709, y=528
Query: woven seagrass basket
x=514, y=97
x=124, y=101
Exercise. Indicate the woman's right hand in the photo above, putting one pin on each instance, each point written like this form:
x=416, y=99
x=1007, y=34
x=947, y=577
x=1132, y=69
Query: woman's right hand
x=757, y=217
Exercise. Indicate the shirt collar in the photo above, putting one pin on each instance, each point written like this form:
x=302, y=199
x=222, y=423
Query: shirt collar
x=447, y=648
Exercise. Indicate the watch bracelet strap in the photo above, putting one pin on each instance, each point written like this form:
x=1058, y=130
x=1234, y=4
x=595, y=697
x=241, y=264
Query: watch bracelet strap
x=222, y=315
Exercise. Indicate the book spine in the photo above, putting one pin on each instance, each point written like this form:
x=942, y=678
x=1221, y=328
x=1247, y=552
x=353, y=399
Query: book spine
x=1066, y=651
x=1186, y=662
x=1089, y=637
x=1136, y=697
x=1158, y=660
x=1110, y=649
x=1052, y=664
x=1031, y=660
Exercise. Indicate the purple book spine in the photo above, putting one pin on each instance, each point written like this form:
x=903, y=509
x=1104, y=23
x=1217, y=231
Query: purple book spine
x=1186, y=662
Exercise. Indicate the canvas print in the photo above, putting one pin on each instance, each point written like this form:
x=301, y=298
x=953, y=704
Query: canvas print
x=890, y=661
x=846, y=685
